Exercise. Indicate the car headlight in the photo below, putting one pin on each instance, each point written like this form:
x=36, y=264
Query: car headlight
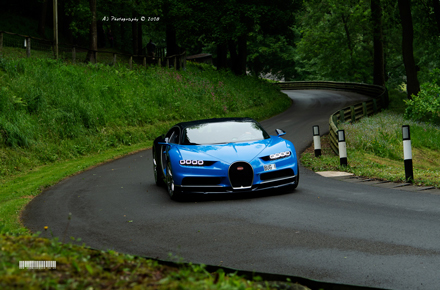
x=279, y=155
x=191, y=162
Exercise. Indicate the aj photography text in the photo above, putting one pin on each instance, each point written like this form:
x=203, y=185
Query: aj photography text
x=134, y=19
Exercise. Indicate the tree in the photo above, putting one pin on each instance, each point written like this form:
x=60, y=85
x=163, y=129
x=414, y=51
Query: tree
x=93, y=38
x=334, y=45
x=436, y=7
x=42, y=22
x=413, y=86
x=378, y=57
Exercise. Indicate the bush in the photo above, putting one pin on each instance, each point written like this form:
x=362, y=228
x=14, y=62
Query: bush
x=426, y=105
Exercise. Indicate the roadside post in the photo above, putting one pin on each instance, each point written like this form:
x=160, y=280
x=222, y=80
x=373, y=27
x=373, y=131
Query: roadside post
x=407, y=153
x=342, y=148
x=317, y=140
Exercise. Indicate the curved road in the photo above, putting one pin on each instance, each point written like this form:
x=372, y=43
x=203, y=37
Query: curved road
x=328, y=230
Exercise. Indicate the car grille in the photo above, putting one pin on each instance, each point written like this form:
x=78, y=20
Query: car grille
x=201, y=181
x=277, y=174
x=241, y=175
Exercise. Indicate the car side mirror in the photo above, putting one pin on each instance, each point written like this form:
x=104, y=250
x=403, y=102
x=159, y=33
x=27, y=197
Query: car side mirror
x=166, y=141
x=280, y=132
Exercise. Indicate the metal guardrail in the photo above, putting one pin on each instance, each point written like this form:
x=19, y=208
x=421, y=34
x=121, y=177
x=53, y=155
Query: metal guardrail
x=379, y=101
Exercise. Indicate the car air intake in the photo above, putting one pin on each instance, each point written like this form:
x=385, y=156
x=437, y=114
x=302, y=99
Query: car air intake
x=241, y=175
x=201, y=181
x=288, y=172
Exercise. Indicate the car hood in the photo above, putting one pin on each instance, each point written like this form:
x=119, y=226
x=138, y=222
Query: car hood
x=231, y=152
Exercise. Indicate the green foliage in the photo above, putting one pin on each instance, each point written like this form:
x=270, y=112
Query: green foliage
x=334, y=44
x=271, y=55
x=56, y=111
x=426, y=105
x=382, y=135
x=78, y=267
x=79, y=12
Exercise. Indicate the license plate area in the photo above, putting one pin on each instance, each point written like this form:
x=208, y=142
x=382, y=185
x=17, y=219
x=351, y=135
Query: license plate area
x=269, y=167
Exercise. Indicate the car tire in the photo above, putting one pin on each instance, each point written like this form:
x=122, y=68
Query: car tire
x=173, y=191
x=158, y=174
x=294, y=186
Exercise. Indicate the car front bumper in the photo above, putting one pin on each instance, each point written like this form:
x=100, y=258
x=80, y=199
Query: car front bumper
x=219, y=189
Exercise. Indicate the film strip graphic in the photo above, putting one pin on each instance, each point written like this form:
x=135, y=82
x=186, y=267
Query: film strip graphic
x=37, y=264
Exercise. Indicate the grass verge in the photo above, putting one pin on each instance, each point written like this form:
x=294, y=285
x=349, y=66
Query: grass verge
x=375, y=150
x=82, y=268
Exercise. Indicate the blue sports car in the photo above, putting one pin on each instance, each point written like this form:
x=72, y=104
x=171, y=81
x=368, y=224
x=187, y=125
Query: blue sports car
x=223, y=155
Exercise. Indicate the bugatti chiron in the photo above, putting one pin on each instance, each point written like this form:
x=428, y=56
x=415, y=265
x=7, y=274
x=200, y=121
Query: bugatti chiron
x=223, y=155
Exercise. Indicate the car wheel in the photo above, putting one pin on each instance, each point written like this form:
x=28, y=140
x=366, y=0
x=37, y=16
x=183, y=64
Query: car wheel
x=158, y=175
x=173, y=191
x=297, y=178
x=293, y=187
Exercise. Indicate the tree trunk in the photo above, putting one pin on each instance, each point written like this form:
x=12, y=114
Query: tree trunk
x=233, y=54
x=134, y=34
x=93, y=38
x=242, y=54
x=42, y=23
x=172, y=47
x=349, y=44
x=378, y=62
x=140, y=46
x=222, y=56
x=413, y=86
x=436, y=7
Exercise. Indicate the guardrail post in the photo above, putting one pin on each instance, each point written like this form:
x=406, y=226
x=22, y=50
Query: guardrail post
x=114, y=59
x=335, y=120
x=407, y=154
x=342, y=116
x=317, y=140
x=342, y=148
x=353, y=114
x=28, y=46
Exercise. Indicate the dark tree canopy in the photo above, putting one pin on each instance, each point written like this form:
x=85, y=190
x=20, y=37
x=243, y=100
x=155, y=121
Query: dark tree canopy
x=385, y=42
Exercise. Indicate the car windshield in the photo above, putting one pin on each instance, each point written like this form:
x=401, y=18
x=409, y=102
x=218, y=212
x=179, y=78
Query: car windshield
x=223, y=132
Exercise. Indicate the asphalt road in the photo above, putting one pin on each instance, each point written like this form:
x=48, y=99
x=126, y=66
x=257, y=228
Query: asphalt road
x=327, y=229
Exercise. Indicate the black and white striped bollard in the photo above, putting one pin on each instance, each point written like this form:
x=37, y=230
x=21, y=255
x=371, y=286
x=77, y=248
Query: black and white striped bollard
x=342, y=148
x=317, y=140
x=407, y=153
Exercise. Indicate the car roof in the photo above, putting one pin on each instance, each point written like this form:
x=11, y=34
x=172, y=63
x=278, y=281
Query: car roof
x=213, y=120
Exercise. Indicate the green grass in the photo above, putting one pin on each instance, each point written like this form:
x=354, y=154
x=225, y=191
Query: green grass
x=78, y=267
x=51, y=111
x=375, y=150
